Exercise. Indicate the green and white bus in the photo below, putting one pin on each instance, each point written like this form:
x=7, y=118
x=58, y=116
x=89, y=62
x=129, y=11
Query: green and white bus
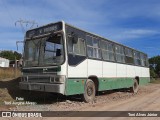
x=61, y=58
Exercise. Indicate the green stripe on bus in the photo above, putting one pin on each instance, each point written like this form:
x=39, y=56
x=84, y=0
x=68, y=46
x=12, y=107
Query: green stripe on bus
x=114, y=83
x=76, y=85
x=144, y=80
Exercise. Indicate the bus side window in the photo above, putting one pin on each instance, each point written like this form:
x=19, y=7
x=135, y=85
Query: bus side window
x=144, y=60
x=119, y=50
x=70, y=44
x=78, y=48
x=93, y=49
x=129, y=56
x=137, y=59
x=107, y=51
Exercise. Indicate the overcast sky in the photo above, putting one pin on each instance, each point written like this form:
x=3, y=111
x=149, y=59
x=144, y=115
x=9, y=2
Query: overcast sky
x=135, y=23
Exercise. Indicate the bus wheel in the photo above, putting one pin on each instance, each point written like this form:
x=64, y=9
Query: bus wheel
x=135, y=87
x=89, y=91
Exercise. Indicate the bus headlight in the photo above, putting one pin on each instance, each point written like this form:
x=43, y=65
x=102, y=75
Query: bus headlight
x=57, y=79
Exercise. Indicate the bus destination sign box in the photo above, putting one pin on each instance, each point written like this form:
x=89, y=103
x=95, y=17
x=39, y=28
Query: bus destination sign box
x=44, y=30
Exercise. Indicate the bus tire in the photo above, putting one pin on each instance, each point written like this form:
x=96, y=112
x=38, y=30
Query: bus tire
x=135, y=87
x=89, y=91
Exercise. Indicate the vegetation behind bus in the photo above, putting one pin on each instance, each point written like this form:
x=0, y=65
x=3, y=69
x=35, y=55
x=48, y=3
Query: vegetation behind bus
x=154, y=66
x=10, y=55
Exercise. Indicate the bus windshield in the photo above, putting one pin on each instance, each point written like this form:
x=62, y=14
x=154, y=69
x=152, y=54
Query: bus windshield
x=44, y=51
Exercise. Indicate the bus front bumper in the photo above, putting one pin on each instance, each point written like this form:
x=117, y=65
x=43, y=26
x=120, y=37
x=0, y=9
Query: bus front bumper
x=46, y=87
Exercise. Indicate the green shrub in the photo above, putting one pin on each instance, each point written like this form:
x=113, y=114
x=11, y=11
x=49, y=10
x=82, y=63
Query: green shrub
x=153, y=74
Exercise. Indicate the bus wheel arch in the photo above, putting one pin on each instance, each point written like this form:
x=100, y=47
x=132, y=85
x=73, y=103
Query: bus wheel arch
x=137, y=78
x=95, y=80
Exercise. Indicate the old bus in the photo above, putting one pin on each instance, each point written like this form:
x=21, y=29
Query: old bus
x=61, y=58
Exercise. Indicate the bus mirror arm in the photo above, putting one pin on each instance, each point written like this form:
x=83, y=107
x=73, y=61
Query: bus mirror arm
x=19, y=42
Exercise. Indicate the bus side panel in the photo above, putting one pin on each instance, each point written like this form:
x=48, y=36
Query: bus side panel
x=108, y=76
x=75, y=86
x=121, y=70
x=145, y=78
x=115, y=76
x=76, y=78
x=109, y=70
x=78, y=71
x=94, y=68
x=131, y=71
x=138, y=71
x=114, y=83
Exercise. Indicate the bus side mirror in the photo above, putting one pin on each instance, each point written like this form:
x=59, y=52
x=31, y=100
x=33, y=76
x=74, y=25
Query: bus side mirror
x=74, y=39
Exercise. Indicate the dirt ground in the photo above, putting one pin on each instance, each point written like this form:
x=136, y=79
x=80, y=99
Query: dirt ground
x=147, y=99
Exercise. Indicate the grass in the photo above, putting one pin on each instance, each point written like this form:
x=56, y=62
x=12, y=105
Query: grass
x=7, y=84
x=9, y=90
x=9, y=73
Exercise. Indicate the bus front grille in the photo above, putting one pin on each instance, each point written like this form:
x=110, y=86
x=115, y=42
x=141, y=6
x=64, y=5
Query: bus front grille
x=38, y=79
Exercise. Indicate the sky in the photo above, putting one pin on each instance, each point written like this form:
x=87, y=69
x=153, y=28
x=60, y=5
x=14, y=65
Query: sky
x=134, y=23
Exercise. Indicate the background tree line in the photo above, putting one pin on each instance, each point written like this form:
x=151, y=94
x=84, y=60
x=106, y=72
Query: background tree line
x=11, y=55
x=154, y=64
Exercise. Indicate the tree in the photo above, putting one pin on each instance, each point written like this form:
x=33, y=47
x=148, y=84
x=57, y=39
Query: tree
x=155, y=65
x=11, y=55
x=17, y=55
x=153, y=74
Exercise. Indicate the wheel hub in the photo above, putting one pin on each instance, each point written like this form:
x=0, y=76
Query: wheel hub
x=135, y=86
x=89, y=91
